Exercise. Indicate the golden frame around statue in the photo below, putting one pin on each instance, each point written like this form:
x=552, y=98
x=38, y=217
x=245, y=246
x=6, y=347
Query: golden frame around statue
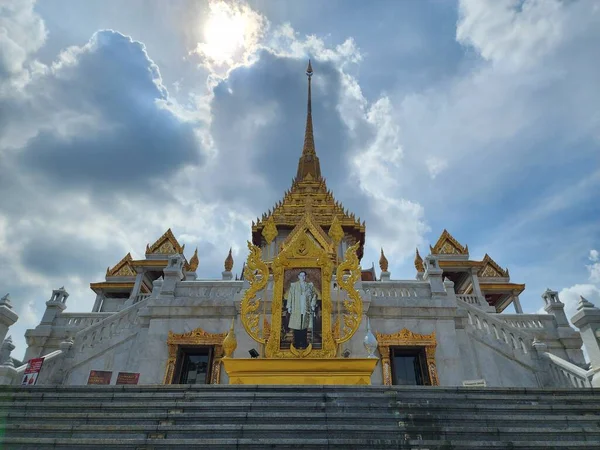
x=304, y=251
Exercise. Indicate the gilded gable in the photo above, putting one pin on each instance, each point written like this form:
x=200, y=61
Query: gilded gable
x=122, y=268
x=491, y=269
x=165, y=245
x=447, y=245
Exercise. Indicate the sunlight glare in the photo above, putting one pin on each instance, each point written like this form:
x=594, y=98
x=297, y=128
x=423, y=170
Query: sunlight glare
x=224, y=32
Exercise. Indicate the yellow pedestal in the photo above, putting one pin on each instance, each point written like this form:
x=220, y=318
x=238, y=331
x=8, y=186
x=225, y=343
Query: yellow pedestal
x=300, y=371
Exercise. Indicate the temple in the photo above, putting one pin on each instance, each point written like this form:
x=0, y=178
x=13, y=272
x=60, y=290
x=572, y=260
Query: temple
x=301, y=310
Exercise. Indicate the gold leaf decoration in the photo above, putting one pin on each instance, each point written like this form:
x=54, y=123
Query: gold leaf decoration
x=419, y=262
x=270, y=232
x=229, y=262
x=336, y=232
x=194, y=261
x=383, y=262
x=348, y=273
x=257, y=274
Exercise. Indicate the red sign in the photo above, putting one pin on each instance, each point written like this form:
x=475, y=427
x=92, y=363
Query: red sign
x=32, y=371
x=99, y=377
x=128, y=378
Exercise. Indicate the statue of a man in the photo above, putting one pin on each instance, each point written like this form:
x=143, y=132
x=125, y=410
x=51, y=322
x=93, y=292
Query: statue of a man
x=301, y=304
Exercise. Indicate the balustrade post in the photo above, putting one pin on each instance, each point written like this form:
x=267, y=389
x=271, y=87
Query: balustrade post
x=587, y=319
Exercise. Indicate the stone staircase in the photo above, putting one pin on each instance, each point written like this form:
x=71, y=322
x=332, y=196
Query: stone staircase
x=308, y=417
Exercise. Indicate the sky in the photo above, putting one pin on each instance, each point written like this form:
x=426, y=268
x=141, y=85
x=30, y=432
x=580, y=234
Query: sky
x=119, y=120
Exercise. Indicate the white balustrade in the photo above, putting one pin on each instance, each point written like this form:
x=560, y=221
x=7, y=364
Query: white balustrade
x=140, y=297
x=470, y=299
x=566, y=374
x=529, y=321
x=81, y=320
x=488, y=325
x=397, y=290
x=115, y=325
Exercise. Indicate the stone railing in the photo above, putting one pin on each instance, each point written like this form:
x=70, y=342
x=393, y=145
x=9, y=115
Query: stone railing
x=140, y=297
x=529, y=321
x=566, y=374
x=80, y=320
x=470, y=299
x=492, y=326
x=397, y=289
x=116, y=324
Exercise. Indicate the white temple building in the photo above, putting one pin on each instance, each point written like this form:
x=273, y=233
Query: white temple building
x=448, y=326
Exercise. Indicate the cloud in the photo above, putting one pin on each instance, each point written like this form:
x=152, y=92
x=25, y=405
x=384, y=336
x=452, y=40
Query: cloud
x=22, y=33
x=594, y=268
x=109, y=121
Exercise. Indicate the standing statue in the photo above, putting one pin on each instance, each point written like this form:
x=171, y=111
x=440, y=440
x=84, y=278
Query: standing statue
x=301, y=306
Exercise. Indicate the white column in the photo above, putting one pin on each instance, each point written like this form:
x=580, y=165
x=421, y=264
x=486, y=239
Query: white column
x=517, y=304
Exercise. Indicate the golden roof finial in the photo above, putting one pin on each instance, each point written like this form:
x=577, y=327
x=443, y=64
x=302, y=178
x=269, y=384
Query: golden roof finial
x=229, y=262
x=419, y=262
x=383, y=262
x=309, y=162
x=194, y=261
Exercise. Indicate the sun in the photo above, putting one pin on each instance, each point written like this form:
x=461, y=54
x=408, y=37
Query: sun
x=225, y=32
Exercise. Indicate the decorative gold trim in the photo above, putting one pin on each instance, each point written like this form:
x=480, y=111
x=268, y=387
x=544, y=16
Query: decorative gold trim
x=405, y=337
x=451, y=264
x=348, y=273
x=195, y=337
x=257, y=274
x=122, y=268
x=109, y=285
x=336, y=232
x=270, y=232
x=491, y=269
x=165, y=245
x=447, y=245
x=501, y=286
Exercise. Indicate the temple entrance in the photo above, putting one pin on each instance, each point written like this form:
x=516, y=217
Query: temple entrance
x=194, y=365
x=409, y=367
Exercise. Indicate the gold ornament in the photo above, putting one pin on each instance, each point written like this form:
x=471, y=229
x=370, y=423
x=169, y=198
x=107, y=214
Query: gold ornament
x=192, y=338
x=194, y=261
x=419, y=262
x=406, y=338
x=383, y=262
x=229, y=262
x=270, y=232
x=336, y=232
x=230, y=342
x=122, y=268
x=447, y=245
x=348, y=273
x=257, y=274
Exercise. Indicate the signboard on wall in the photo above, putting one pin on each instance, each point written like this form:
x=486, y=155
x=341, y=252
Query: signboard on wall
x=32, y=371
x=99, y=377
x=128, y=378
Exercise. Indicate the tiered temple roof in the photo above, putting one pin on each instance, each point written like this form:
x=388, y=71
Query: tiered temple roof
x=309, y=192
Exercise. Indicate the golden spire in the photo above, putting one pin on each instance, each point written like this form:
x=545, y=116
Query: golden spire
x=229, y=262
x=383, y=262
x=193, y=265
x=419, y=262
x=309, y=162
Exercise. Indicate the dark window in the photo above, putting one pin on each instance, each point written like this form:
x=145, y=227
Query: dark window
x=194, y=366
x=409, y=366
